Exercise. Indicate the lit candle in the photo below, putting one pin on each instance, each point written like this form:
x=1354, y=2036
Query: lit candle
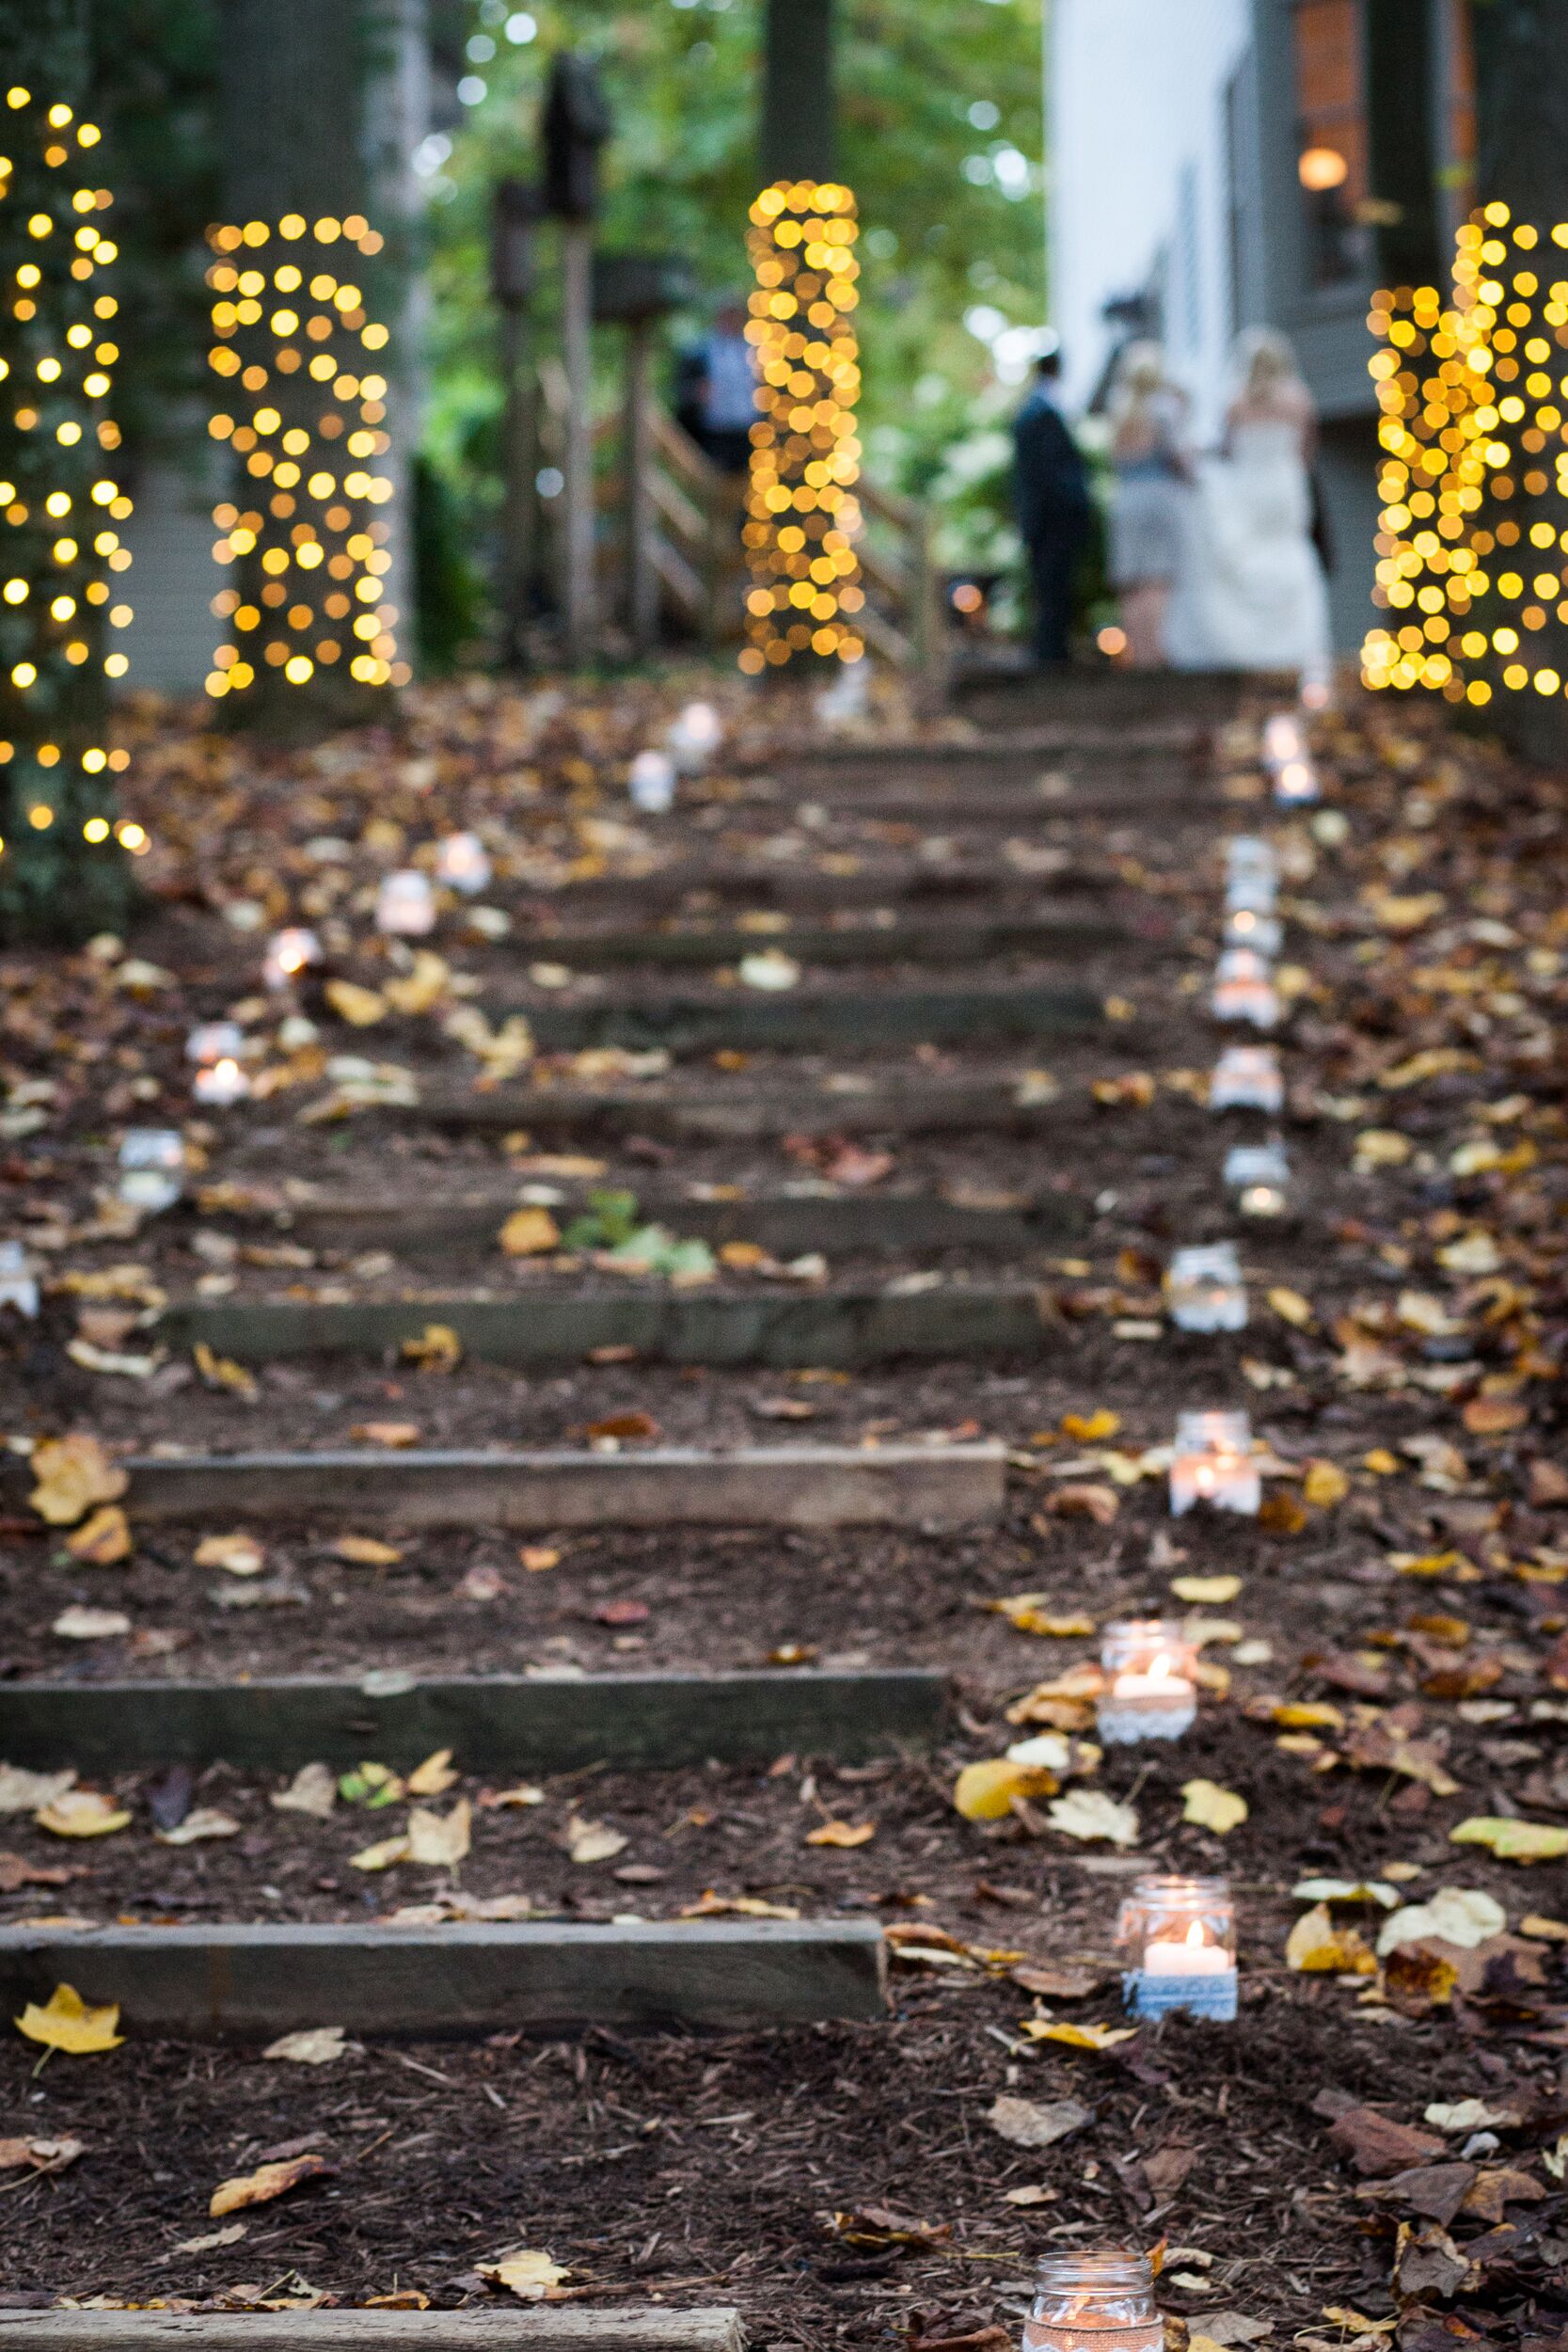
x=1246, y=1078
x=288, y=953
x=463, y=863
x=1297, y=783
x=406, y=904
x=1150, y=1691
x=1212, y=1463
x=220, y=1083
x=1182, y=1933
x=693, y=737
x=215, y=1041
x=1249, y=927
x=152, y=1167
x=1282, y=739
x=1259, y=1174
x=18, y=1283
x=1094, y=2302
x=651, y=782
x=1205, y=1290
x=1243, y=989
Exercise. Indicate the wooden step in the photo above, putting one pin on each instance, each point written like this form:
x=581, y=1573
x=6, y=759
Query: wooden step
x=873, y=883
x=876, y=1224
x=563, y=2326
x=1089, y=733
x=714, y=1111
x=803, y=1020
x=252, y=1983
x=937, y=1486
x=492, y=1722
x=840, y=1330
x=939, y=939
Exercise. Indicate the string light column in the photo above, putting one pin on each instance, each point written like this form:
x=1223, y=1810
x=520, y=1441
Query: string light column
x=63, y=609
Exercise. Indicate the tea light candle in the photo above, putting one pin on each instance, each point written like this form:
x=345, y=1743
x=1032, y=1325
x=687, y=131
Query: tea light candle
x=1297, y=783
x=1254, y=927
x=1282, y=739
x=18, y=1283
x=1094, y=2302
x=288, y=953
x=1150, y=1692
x=651, y=782
x=1212, y=1463
x=693, y=737
x=220, y=1083
x=1246, y=1078
x=152, y=1167
x=1243, y=989
x=1182, y=1931
x=215, y=1041
x=463, y=863
x=406, y=904
x=1259, y=1175
x=1204, y=1289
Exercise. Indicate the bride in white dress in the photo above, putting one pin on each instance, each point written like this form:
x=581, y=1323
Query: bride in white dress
x=1253, y=595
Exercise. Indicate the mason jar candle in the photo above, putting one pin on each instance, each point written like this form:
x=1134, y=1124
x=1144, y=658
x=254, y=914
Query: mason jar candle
x=1212, y=1463
x=1180, y=1938
x=290, y=952
x=1243, y=989
x=1094, y=2302
x=1204, y=1289
x=1248, y=1078
x=1151, y=1687
x=406, y=904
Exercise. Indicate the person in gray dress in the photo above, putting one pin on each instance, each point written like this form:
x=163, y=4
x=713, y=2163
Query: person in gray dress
x=1152, y=496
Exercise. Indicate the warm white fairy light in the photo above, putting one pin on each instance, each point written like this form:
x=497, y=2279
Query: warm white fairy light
x=802, y=515
x=61, y=610
x=308, y=421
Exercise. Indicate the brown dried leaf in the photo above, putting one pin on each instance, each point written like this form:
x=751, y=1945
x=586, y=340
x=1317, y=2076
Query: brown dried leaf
x=269, y=2181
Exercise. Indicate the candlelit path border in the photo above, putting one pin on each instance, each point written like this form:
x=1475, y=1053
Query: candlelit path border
x=553, y=2327
x=494, y=1723
x=805, y=1020
x=912, y=939
x=888, y=1485
x=734, y=1114
x=840, y=1329
x=242, y=1982
x=883, y=1224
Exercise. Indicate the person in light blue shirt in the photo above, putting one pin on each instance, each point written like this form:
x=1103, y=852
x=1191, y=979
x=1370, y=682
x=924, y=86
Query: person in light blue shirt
x=717, y=399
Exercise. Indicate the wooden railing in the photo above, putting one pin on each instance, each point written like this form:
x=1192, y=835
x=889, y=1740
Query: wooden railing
x=696, y=511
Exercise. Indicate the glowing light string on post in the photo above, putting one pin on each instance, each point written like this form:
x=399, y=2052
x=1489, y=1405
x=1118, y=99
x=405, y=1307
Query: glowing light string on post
x=60, y=607
x=1473, y=419
x=308, y=421
x=803, y=514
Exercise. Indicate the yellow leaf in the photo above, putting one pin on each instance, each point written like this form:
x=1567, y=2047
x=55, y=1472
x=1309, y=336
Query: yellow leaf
x=536, y=1558
x=367, y=1551
x=841, y=1833
x=1381, y=1461
x=1511, y=1841
x=434, y=1777
x=1077, y=2037
x=222, y=1372
x=102, y=1539
x=1206, y=1588
x=1317, y=1947
x=1306, y=1715
x=1382, y=1147
x=81, y=1813
x=527, y=2275
x=1325, y=1484
x=70, y=1475
x=380, y=1856
x=1089, y=1813
x=267, y=2182
x=1090, y=1428
x=530, y=1233
x=1290, y=1307
x=437, y=1349
x=391, y=1434
x=362, y=1008
x=422, y=989
x=65, y=2023
x=1024, y=1613
x=439, y=1841
x=240, y=1555
x=593, y=1841
x=985, y=1792
x=1539, y=1924
x=1212, y=1808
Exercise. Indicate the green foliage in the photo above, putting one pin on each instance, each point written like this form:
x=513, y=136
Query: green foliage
x=609, y=1224
x=939, y=233
x=610, y=1219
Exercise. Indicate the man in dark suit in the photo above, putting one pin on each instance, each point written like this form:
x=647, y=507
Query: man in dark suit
x=1052, y=494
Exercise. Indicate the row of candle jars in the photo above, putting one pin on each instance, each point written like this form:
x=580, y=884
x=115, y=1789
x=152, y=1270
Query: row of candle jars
x=1289, y=761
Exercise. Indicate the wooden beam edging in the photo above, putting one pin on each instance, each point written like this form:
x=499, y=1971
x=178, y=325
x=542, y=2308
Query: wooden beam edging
x=912, y=939
x=551, y=2326
x=734, y=1114
x=240, y=1983
x=941, y=1487
x=840, y=1330
x=809, y=1018
x=492, y=1722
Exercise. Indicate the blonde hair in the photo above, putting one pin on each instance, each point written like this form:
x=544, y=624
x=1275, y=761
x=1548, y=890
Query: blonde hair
x=1265, y=362
x=1140, y=378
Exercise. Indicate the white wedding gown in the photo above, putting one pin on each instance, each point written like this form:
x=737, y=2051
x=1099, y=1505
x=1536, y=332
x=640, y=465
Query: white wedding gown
x=1252, y=594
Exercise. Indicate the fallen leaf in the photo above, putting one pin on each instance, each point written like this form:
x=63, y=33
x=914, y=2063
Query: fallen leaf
x=1325, y=1484
x=1458, y=1915
x=530, y=1233
x=1511, y=1841
x=367, y=1551
x=591, y=1842
x=1491, y=1416
x=204, y=1821
x=1212, y=1808
x=81, y=1813
x=1282, y=1515
x=525, y=2273
x=1205, y=1589
x=1084, y=1501
x=1076, y=2037
x=1026, y=2123
x=362, y=1008
x=437, y=1349
x=1318, y=1947
x=72, y=1474
x=1087, y=1813
x=1091, y=1428
x=39, y=2155
x=318, y=2045
x=631, y=1424
x=1377, y=2145
x=102, y=1540
x=268, y=2182
x=434, y=1777
x=394, y=1434
x=381, y=1856
x=67, y=2023
x=211, y=2239
x=1292, y=1308
x=314, y=1789
x=81, y=1624
x=536, y=1558
x=239, y=1555
x=22, y=1791
x=985, y=1792
x=439, y=1841
x=841, y=1833
x=222, y=1372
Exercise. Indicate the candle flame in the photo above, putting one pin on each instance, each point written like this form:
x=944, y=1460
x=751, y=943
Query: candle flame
x=1195, y=1934
x=1159, y=1670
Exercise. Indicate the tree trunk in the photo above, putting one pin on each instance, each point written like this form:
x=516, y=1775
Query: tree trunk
x=63, y=873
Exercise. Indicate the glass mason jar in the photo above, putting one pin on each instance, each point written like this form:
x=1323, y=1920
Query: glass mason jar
x=1179, y=1936
x=1150, y=1688
x=1101, y=2302
x=1212, y=1463
x=1205, y=1290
